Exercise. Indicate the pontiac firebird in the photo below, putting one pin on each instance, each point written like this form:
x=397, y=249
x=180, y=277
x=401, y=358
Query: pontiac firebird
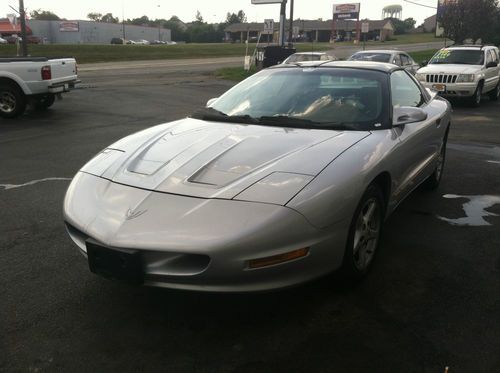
x=286, y=177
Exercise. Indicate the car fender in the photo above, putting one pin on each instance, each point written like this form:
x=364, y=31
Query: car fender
x=10, y=76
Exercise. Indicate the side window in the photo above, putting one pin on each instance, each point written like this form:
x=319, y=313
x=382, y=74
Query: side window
x=405, y=60
x=405, y=91
x=396, y=60
x=495, y=54
x=489, y=57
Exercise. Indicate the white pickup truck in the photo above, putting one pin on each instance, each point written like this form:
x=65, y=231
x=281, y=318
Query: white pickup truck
x=35, y=80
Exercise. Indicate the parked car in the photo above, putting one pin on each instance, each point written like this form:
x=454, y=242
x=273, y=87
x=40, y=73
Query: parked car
x=287, y=176
x=117, y=41
x=12, y=39
x=157, y=42
x=35, y=80
x=142, y=42
x=3, y=41
x=396, y=57
x=465, y=71
x=309, y=56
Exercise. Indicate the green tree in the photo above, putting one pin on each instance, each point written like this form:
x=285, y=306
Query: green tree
x=198, y=17
x=44, y=15
x=94, y=16
x=108, y=18
x=475, y=19
x=239, y=17
x=402, y=27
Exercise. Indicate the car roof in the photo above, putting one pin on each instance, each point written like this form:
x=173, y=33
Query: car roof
x=388, y=51
x=363, y=65
x=306, y=53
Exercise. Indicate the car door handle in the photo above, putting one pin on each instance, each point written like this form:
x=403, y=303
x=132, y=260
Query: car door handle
x=438, y=122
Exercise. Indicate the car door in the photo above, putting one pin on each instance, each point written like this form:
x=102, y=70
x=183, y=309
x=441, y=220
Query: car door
x=405, y=63
x=491, y=73
x=419, y=143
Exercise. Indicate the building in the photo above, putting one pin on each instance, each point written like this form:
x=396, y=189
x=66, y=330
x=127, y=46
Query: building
x=430, y=24
x=317, y=31
x=90, y=32
x=8, y=28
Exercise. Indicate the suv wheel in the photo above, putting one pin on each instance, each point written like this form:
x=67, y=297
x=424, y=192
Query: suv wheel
x=495, y=93
x=475, y=100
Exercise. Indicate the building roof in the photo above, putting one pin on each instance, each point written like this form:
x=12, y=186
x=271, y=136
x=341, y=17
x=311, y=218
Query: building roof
x=308, y=25
x=6, y=27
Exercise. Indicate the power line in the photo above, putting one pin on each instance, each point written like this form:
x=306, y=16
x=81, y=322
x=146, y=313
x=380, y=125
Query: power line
x=425, y=6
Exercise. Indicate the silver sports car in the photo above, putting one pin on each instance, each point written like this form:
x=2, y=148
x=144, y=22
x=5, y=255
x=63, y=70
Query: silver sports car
x=286, y=177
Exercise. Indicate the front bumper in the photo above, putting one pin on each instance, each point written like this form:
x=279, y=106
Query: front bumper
x=453, y=89
x=200, y=244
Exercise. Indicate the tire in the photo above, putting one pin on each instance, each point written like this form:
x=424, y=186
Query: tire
x=364, y=234
x=434, y=179
x=12, y=101
x=495, y=93
x=475, y=100
x=45, y=101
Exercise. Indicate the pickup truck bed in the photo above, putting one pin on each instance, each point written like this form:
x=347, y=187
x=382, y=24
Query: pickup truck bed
x=34, y=80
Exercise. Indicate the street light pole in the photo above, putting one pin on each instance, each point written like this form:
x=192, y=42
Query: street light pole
x=24, y=41
x=159, y=25
x=290, y=31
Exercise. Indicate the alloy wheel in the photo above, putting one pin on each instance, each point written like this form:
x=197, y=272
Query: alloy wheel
x=366, y=234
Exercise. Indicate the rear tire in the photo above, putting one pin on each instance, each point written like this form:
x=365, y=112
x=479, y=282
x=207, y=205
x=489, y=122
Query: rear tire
x=364, y=233
x=495, y=93
x=12, y=101
x=45, y=101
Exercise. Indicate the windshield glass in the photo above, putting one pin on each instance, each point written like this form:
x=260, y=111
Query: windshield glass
x=324, y=98
x=303, y=57
x=376, y=57
x=458, y=56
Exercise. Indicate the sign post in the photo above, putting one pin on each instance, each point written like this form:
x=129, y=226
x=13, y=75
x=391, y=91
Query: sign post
x=282, y=16
x=365, y=27
x=346, y=12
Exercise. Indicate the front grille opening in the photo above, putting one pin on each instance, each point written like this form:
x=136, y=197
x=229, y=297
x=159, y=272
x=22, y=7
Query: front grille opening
x=174, y=264
x=77, y=236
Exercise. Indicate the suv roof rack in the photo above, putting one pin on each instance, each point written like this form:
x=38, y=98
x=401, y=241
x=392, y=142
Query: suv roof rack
x=480, y=46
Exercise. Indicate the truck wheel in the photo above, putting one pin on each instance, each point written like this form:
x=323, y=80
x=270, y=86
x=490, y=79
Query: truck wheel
x=475, y=100
x=12, y=101
x=45, y=101
x=495, y=93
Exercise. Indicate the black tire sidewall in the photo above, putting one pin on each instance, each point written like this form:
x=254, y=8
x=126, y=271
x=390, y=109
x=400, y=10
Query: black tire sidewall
x=20, y=100
x=44, y=102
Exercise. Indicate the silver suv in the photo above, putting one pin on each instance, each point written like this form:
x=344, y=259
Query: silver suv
x=467, y=71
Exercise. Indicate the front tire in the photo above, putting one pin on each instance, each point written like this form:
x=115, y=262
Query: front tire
x=364, y=233
x=475, y=100
x=434, y=179
x=12, y=101
x=495, y=93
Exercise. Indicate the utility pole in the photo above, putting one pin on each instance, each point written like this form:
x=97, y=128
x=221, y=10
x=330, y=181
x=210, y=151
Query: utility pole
x=290, y=31
x=282, y=23
x=24, y=41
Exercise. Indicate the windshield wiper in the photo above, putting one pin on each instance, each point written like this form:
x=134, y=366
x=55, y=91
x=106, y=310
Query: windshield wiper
x=212, y=114
x=294, y=122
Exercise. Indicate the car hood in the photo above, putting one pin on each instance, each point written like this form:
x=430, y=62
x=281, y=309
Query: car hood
x=222, y=160
x=449, y=69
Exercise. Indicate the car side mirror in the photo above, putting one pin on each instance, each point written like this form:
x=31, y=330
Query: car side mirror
x=424, y=63
x=211, y=101
x=491, y=64
x=407, y=114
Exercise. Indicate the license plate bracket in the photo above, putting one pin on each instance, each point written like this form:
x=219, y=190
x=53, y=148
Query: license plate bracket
x=439, y=87
x=116, y=263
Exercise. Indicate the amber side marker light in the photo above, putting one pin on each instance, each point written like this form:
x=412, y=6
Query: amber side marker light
x=276, y=259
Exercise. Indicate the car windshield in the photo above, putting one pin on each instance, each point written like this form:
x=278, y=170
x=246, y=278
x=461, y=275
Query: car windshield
x=321, y=97
x=376, y=57
x=458, y=56
x=303, y=57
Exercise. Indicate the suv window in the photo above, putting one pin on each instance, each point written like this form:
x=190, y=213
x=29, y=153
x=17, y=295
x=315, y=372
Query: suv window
x=405, y=91
x=404, y=60
x=397, y=60
x=489, y=57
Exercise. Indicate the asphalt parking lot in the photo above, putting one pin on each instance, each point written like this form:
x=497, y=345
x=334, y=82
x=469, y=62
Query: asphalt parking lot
x=432, y=299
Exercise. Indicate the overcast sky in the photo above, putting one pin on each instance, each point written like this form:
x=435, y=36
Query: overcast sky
x=211, y=10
